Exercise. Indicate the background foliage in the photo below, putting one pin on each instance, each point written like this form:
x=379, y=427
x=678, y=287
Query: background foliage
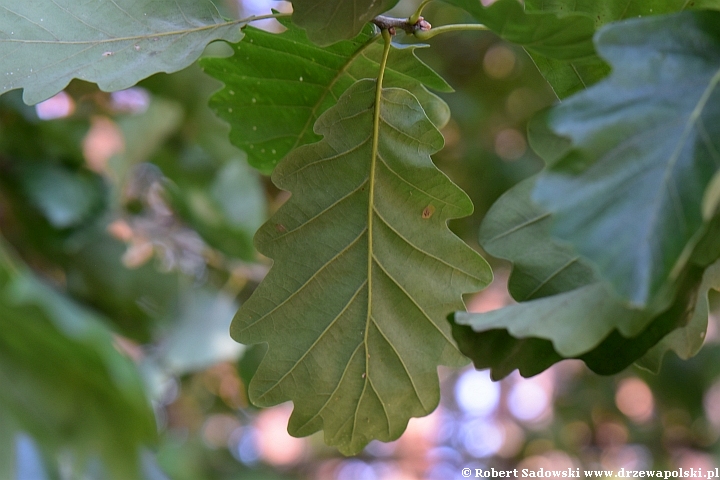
x=127, y=221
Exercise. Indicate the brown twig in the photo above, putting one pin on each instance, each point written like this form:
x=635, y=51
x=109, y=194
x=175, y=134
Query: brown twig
x=391, y=24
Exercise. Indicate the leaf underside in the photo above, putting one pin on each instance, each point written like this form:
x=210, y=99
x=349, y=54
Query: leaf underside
x=644, y=145
x=47, y=43
x=277, y=85
x=365, y=271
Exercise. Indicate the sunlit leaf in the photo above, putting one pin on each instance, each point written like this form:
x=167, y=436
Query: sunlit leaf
x=115, y=44
x=328, y=21
x=644, y=147
x=365, y=272
x=277, y=85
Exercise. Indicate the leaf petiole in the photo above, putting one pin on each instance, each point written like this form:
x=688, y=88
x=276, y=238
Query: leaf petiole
x=460, y=27
x=415, y=17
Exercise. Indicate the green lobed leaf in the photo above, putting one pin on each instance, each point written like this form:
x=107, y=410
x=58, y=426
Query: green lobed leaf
x=497, y=349
x=645, y=145
x=47, y=43
x=562, y=299
x=328, y=21
x=517, y=229
x=570, y=314
x=365, y=271
x=277, y=85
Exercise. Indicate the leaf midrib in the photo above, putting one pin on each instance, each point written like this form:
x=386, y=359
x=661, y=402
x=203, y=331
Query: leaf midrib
x=134, y=37
x=691, y=122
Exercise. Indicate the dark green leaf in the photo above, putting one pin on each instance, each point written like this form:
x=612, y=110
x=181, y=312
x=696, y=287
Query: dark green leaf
x=572, y=314
x=562, y=301
x=115, y=44
x=497, y=349
x=518, y=230
x=567, y=77
x=687, y=340
x=328, y=21
x=365, y=272
x=614, y=10
x=644, y=147
x=276, y=86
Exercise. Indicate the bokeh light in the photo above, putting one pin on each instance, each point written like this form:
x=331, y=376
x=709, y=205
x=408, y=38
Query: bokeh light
x=635, y=400
x=476, y=393
x=59, y=106
x=529, y=400
x=499, y=62
x=275, y=445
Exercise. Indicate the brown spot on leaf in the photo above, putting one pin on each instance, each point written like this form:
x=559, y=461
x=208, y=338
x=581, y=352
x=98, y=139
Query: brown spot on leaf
x=280, y=228
x=428, y=212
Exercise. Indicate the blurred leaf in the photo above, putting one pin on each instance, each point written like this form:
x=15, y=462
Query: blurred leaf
x=227, y=211
x=644, y=148
x=567, y=77
x=199, y=337
x=144, y=134
x=562, y=300
x=277, y=85
x=575, y=321
x=564, y=37
x=560, y=45
x=134, y=300
x=614, y=10
x=365, y=272
x=328, y=21
x=114, y=44
x=238, y=192
x=80, y=392
x=549, y=146
x=502, y=353
x=65, y=198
